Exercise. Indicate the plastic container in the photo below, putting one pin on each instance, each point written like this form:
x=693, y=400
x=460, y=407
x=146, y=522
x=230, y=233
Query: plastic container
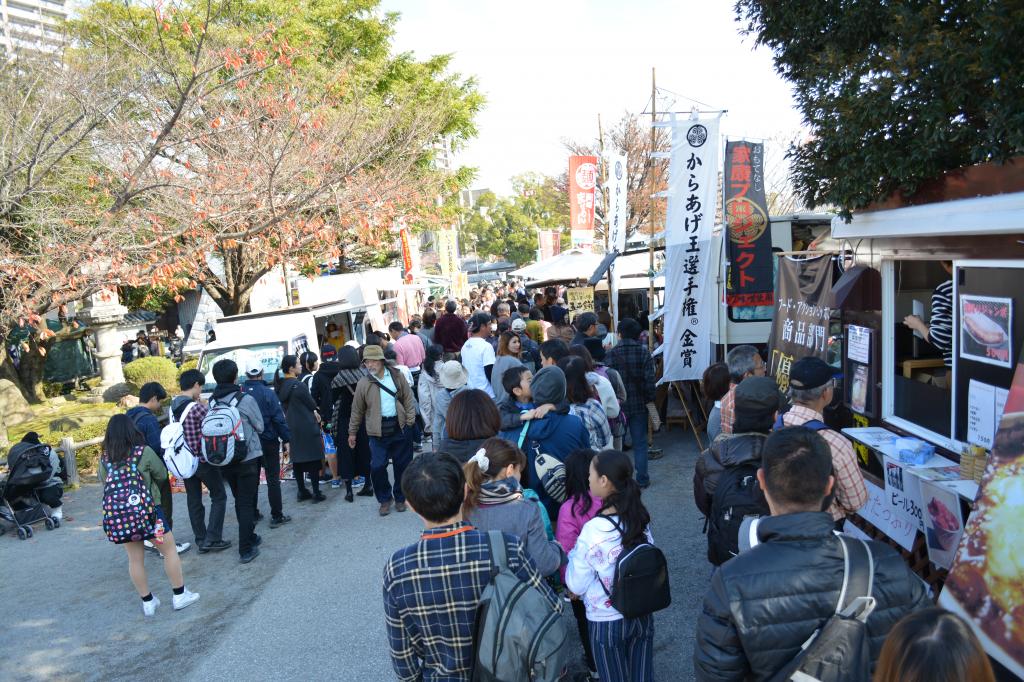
x=914, y=450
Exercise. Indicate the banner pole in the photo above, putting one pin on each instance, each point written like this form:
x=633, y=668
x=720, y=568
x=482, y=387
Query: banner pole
x=607, y=241
x=650, y=224
x=650, y=252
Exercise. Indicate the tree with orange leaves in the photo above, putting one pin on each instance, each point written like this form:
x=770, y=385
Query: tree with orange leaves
x=165, y=149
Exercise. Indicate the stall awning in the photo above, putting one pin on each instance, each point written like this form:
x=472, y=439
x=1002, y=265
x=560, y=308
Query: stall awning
x=999, y=214
x=606, y=263
x=860, y=288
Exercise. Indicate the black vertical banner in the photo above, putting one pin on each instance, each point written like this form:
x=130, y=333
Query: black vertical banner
x=803, y=306
x=751, y=268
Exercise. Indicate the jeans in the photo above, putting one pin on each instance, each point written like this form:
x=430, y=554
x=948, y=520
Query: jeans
x=244, y=480
x=271, y=464
x=397, y=448
x=210, y=476
x=624, y=648
x=638, y=429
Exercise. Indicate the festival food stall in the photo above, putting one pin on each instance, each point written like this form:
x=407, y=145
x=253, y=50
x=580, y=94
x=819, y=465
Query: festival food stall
x=940, y=435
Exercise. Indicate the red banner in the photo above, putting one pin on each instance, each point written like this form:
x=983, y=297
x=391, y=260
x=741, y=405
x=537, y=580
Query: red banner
x=582, y=181
x=403, y=235
x=550, y=243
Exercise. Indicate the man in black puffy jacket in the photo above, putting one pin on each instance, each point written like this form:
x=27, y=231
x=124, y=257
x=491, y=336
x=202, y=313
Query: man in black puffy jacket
x=765, y=603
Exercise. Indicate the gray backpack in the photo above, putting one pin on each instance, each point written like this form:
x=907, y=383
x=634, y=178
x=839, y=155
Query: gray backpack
x=223, y=434
x=518, y=635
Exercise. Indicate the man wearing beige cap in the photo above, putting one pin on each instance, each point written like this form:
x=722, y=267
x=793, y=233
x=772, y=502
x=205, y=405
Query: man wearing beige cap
x=452, y=377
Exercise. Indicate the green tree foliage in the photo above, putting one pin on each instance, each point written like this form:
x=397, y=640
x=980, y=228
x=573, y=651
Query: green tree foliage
x=895, y=93
x=502, y=228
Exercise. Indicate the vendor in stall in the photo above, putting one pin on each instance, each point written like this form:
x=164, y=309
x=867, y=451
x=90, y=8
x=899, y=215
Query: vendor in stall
x=939, y=332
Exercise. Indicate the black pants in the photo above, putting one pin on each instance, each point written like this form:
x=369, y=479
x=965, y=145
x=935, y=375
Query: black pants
x=579, y=611
x=167, y=502
x=354, y=462
x=244, y=480
x=214, y=530
x=313, y=469
x=271, y=464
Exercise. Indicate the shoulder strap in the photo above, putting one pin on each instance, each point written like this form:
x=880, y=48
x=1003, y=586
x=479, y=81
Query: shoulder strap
x=381, y=386
x=180, y=417
x=779, y=424
x=499, y=557
x=522, y=435
x=858, y=572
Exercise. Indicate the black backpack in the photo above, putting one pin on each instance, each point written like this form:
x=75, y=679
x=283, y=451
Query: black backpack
x=737, y=496
x=640, y=585
x=840, y=650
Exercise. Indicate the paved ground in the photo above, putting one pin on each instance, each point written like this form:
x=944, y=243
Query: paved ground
x=307, y=609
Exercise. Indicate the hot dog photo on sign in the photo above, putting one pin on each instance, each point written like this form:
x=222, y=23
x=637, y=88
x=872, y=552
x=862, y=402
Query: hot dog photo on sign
x=985, y=324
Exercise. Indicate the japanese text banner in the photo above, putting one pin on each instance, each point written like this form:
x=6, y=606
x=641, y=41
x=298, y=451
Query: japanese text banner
x=582, y=181
x=618, y=206
x=800, y=326
x=690, y=294
x=751, y=270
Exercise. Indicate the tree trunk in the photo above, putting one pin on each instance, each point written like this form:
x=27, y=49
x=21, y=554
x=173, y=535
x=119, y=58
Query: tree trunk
x=10, y=372
x=30, y=369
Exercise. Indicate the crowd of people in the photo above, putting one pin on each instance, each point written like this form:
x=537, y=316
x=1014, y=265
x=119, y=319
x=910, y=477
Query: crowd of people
x=499, y=414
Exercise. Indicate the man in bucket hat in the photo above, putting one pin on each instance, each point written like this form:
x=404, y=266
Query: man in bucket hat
x=384, y=399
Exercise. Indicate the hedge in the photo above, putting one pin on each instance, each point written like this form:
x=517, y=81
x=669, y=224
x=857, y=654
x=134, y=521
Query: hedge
x=145, y=370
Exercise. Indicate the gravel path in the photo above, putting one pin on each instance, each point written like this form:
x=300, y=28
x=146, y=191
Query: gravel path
x=309, y=608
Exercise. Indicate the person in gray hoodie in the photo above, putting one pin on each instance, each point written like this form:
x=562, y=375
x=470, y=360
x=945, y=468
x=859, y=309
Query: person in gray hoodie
x=243, y=477
x=495, y=500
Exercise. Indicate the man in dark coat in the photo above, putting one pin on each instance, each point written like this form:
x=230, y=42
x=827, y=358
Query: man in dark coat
x=633, y=362
x=451, y=331
x=274, y=439
x=324, y=398
x=764, y=603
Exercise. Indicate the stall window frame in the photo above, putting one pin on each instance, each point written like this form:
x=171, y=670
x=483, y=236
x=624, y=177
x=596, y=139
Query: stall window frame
x=888, y=351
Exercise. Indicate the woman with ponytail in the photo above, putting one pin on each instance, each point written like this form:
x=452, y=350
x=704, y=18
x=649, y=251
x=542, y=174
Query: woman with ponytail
x=623, y=648
x=495, y=501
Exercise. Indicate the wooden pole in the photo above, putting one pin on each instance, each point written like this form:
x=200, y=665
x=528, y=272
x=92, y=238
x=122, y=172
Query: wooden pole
x=607, y=238
x=651, y=216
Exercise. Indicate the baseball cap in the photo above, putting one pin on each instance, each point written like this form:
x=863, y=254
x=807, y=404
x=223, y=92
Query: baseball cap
x=518, y=324
x=586, y=321
x=328, y=351
x=254, y=367
x=810, y=372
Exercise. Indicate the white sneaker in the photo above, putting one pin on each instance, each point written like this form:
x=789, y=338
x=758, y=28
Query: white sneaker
x=183, y=547
x=149, y=607
x=184, y=599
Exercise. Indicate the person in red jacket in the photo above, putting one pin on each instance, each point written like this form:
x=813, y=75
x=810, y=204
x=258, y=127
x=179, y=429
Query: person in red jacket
x=450, y=331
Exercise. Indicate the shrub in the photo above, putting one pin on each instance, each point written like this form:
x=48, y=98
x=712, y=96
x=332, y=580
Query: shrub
x=80, y=422
x=191, y=363
x=160, y=370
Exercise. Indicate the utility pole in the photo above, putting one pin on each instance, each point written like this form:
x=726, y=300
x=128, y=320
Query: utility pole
x=651, y=217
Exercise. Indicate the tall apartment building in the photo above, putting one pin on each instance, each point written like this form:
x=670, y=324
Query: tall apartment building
x=31, y=25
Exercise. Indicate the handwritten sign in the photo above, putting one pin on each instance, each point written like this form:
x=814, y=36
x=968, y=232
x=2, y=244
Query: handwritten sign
x=879, y=512
x=579, y=300
x=904, y=492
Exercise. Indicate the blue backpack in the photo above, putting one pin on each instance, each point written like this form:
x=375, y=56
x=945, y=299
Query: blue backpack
x=812, y=424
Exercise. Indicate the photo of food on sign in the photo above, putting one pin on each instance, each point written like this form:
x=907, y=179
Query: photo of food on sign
x=986, y=581
x=985, y=324
x=945, y=522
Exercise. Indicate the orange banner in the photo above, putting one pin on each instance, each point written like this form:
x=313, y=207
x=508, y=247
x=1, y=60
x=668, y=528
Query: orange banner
x=582, y=181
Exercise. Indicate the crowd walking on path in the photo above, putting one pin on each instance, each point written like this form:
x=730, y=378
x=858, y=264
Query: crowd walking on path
x=520, y=438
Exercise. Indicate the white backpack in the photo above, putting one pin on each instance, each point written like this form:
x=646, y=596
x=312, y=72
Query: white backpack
x=178, y=456
x=223, y=435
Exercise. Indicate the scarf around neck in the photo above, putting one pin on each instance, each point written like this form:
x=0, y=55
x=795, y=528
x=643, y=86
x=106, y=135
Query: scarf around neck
x=500, y=491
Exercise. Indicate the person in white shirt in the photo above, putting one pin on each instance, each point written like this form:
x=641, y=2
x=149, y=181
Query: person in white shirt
x=623, y=647
x=478, y=354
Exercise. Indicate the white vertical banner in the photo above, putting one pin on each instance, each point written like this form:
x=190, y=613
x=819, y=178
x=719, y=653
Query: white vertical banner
x=690, y=294
x=616, y=180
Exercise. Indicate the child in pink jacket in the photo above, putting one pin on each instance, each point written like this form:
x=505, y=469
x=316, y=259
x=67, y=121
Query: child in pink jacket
x=579, y=507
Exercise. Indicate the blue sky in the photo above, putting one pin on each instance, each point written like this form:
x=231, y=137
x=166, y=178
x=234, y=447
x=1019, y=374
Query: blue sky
x=549, y=67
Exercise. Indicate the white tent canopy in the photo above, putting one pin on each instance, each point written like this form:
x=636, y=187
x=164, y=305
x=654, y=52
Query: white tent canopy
x=568, y=265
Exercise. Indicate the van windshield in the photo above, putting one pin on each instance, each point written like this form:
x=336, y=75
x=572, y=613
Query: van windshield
x=268, y=354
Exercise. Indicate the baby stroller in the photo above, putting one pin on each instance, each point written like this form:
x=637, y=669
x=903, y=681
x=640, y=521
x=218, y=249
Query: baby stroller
x=30, y=489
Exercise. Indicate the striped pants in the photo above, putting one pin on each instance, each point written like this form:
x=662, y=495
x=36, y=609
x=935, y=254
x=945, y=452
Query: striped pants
x=624, y=649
